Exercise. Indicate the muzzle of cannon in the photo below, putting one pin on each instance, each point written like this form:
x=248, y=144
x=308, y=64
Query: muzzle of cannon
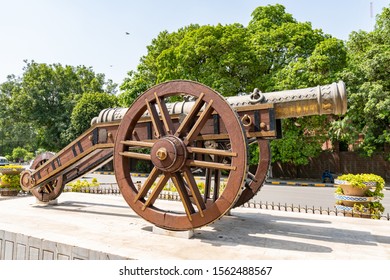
x=204, y=132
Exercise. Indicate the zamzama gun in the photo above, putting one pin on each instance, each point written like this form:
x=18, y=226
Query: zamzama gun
x=203, y=131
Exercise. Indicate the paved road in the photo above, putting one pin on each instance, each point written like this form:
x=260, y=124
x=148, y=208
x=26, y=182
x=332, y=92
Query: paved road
x=319, y=197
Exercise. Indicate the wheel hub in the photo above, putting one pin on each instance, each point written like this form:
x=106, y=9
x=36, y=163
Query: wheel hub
x=169, y=154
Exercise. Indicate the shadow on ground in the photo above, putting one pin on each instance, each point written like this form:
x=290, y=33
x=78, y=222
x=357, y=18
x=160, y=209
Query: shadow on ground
x=285, y=233
x=87, y=207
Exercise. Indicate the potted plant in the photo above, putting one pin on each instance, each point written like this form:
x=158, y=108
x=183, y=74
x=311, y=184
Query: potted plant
x=10, y=180
x=360, y=194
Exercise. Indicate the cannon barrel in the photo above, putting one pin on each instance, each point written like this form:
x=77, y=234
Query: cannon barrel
x=320, y=100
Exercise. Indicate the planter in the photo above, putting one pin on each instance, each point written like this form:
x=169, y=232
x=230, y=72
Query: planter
x=359, y=195
x=3, y=184
x=11, y=170
x=350, y=212
x=10, y=180
x=351, y=190
x=8, y=192
x=350, y=201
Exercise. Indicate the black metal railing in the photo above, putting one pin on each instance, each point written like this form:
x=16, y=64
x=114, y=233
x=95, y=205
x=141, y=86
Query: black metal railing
x=174, y=196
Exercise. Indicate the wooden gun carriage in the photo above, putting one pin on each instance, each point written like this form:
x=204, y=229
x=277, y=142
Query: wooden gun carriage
x=203, y=131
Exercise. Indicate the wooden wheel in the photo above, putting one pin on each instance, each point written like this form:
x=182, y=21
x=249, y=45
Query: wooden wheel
x=256, y=180
x=175, y=145
x=52, y=189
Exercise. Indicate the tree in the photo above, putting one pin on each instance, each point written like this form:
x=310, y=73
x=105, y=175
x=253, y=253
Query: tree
x=14, y=131
x=88, y=107
x=293, y=55
x=218, y=56
x=367, y=77
x=274, y=52
x=146, y=75
x=20, y=154
x=47, y=95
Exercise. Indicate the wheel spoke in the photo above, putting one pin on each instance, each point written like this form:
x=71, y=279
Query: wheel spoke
x=207, y=164
x=191, y=115
x=211, y=152
x=195, y=191
x=252, y=141
x=207, y=187
x=155, y=119
x=200, y=122
x=147, y=184
x=217, y=184
x=252, y=176
x=176, y=145
x=156, y=191
x=185, y=199
x=142, y=144
x=48, y=188
x=164, y=115
x=135, y=155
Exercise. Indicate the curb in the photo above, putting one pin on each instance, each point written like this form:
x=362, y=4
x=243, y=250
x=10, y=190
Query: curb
x=112, y=173
x=103, y=172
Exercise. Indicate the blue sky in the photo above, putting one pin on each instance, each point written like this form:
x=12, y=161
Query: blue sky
x=93, y=32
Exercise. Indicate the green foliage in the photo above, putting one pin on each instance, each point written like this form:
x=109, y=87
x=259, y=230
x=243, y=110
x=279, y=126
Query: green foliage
x=36, y=108
x=302, y=139
x=21, y=154
x=11, y=180
x=367, y=78
x=88, y=107
x=80, y=185
x=373, y=208
x=274, y=52
x=218, y=56
x=10, y=176
x=13, y=131
x=142, y=166
x=359, y=180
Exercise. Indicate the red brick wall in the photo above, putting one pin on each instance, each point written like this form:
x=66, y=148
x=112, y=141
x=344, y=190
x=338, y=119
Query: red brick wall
x=339, y=163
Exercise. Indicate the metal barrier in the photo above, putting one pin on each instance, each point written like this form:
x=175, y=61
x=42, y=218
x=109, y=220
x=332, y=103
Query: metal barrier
x=174, y=196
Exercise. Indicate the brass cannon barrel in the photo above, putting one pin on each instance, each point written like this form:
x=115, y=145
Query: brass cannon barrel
x=320, y=100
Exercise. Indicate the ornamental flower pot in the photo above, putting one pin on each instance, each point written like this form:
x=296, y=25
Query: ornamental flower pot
x=354, y=190
x=350, y=201
x=10, y=180
x=359, y=195
x=8, y=192
x=11, y=169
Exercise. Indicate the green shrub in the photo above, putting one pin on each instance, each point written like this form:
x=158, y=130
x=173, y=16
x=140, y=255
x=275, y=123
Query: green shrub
x=79, y=185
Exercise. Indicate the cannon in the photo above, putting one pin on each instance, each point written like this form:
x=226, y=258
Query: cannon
x=179, y=126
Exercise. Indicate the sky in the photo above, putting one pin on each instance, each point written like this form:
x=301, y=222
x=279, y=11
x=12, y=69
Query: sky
x=112, y=35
